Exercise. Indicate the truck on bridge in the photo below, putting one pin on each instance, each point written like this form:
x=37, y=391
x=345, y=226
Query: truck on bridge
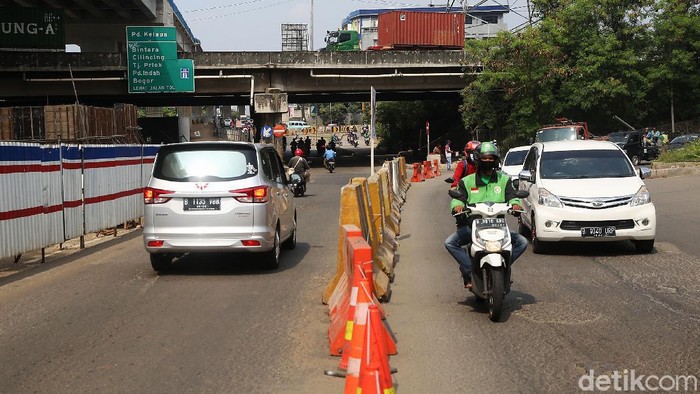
x=404, y=30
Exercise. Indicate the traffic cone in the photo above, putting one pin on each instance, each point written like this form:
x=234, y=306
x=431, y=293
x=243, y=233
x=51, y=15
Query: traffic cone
x=427, y=170
x=436, y=164
x=417, y=176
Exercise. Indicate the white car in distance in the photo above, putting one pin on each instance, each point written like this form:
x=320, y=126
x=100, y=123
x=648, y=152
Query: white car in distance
x=513, y=161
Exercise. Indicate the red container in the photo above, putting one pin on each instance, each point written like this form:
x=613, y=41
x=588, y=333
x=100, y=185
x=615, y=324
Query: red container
x=422, y=30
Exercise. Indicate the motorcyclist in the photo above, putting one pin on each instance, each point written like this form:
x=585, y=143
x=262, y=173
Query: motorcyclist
x=487, y=184
x=329, y=154
x=467, y=163
x=300, y=165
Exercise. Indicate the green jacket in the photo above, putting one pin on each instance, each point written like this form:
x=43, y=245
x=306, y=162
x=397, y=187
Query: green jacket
x=498, y=188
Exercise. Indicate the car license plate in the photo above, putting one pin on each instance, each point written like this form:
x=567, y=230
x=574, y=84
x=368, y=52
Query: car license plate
x=607, y=231
x=201, y=203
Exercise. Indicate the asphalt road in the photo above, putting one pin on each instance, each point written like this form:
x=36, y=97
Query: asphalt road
x=102, y=321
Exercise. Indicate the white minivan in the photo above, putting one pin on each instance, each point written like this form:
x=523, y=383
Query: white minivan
x=585, y=190
x=296, y=126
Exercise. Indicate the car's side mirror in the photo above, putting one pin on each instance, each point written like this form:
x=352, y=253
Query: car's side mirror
x=522, y=194
x=644, y=172
x=526, y=175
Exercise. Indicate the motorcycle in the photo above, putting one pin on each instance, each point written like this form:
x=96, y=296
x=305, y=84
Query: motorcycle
x=352, y=139
x=490, y=250
x=296, y=183
x=330, y=165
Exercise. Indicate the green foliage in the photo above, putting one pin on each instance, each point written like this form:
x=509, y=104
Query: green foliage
x=337, y=113
x=690, y=152
x=588, y=60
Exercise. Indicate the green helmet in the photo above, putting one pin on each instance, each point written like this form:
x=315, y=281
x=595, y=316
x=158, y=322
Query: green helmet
x=485, y=149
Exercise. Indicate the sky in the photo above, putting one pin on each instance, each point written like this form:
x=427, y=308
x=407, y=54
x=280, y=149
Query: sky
x=255, y=25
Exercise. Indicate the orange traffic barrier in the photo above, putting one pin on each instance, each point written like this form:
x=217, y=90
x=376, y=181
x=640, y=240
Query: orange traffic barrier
x=436, y=165
x=342, y=312
x=352, y=378
x=427, y=170
x=417, y=176
x=375, y=373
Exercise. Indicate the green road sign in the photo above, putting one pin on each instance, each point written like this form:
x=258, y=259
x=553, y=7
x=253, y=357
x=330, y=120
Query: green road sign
x=174, y=76
x=153, y=66
x=151, y=33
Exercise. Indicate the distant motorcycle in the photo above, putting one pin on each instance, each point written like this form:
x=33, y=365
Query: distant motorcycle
x=330, y=165
x=296, y=183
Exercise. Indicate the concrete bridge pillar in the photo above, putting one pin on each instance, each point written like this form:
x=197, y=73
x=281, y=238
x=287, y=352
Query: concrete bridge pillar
x=267, y=110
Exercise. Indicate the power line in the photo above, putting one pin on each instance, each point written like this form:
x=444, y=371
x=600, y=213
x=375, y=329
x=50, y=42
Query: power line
x=240, y=12
x=219, y=7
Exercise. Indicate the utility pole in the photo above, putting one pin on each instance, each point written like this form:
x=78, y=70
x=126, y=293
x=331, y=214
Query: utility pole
x=311, y=27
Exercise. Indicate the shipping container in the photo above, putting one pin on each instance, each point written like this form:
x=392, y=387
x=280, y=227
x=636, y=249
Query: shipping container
x=420, y=30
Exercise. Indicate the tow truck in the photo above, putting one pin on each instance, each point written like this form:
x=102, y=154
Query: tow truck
x=563, y=130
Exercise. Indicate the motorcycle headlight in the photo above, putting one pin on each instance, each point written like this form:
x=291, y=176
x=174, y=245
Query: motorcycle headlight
x=548, y=199
x=493, y=246
x=642, y=197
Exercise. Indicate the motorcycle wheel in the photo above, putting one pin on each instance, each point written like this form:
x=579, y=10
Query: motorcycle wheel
x=496, y=295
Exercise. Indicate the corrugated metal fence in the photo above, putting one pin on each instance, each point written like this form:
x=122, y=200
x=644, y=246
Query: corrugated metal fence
x=52, y=193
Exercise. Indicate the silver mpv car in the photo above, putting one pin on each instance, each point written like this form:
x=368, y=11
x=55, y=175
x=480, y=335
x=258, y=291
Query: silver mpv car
x=218, y=197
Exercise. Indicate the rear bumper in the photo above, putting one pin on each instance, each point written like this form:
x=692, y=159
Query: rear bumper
x=202, y=243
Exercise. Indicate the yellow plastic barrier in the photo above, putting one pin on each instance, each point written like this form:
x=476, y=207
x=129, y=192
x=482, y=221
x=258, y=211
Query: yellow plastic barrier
x=352, y=211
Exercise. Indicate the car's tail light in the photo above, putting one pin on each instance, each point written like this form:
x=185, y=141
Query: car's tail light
x=250, y=242
x=155, y=244
x=153, y=196
x=252, y=194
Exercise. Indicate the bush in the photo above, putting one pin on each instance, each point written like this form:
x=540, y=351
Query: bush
x=690, y=152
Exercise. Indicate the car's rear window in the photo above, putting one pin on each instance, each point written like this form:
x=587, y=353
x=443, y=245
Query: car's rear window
x=205, y=163
x=515, y=158
x=579, y=164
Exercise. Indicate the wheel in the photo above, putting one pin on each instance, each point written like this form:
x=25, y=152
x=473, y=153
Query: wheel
x=291, y=242
x=161, y=262
x=635, y=159
x=645, y=246
x=496, y=294
x=272, y=258
x=538, y=247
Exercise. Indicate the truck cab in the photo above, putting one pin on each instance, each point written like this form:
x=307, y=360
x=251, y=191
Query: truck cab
x=342, y=40
x=563, y=130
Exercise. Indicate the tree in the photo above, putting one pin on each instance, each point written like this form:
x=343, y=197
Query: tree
x=674, y=62
x=587, y=60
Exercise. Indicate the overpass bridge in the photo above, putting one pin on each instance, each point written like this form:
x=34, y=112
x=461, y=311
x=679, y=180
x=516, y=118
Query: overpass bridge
x=39, y=78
